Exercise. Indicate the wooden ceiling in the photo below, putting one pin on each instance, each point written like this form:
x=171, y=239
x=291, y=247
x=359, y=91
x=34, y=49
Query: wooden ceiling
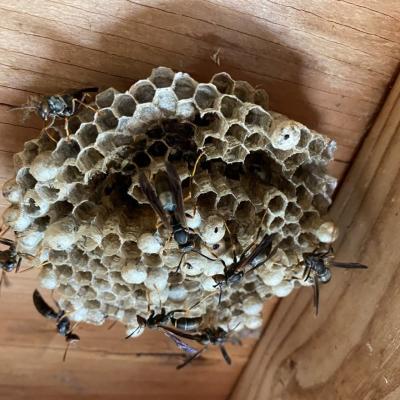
x=326, y=63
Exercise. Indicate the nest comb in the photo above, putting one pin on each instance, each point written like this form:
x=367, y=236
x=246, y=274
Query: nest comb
x=77, y=208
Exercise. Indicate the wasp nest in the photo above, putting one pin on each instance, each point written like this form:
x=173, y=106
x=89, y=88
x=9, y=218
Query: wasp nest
x=77, y=207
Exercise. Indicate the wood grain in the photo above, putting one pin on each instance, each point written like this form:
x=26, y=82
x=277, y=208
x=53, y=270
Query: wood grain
x=325, y=63
x=352, y=350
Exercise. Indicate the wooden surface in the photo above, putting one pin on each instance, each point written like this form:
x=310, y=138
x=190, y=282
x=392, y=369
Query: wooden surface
x=326, y=63
x=352, y=350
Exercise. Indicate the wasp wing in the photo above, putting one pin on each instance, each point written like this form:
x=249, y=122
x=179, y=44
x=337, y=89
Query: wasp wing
x=153, y=199
x=191, y=358
x=176, y=189
x=348, y=265
x=180, y=343
x=316, y=295
x=225, y=354
x=42, y=307
x=264, y=247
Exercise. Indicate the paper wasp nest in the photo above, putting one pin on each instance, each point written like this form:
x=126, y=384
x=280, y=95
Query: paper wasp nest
x=77, y=207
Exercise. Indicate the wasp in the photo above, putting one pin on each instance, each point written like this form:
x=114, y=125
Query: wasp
x=63, y=324
x=59, y=106
x=10, y=260
x=169, y=206
x=318, y=263
x=209, y=336
x=235, y=272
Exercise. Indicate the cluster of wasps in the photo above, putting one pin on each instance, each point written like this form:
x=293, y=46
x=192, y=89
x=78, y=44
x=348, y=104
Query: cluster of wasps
x=169, y=207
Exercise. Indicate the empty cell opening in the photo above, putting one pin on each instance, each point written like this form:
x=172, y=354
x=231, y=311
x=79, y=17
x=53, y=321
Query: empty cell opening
x=236, y=153
x=207, y=200
x=158, y=149
x=87, y=134
x=162, y=77
x=307, y=240
x=105, y=120
x=316, y=146
x=71, y=174
x=230, y=107
x=31, y=207
x=308, y=219
x=287, y=243
x=143, y=93
x=223, y=82
x=65, y=150
x=48, y=193
x=257, y=117
x=106, y=98
x=58, y=257
x=255, y=140
x=261, y=98
x=64, y=271
x=243, y=91
x=92, y=304
x=97, y=267
x=205, y=96
x=78, y=258
x=85, y=212
x=120, y=290
x=245, y=211
x=276, y=224
x=304, y=138
x=130, y=250
x=42, y=223
x=183, y=129
x=88, y=159
x=156, y=132
x=84, y=277
x=124, y=105
x=295, y=160
x=184, y=88
x=60, y=209
x=227, y=203
x=238, y=132
x=293, y=211
x=73, y=124
x=320, y=202
x=214, y=145
x=291, y=230
x=141, y=159
x=25, y=179
x=304, y=197
x=276, y=204
x=108, y=296
x=111, y=242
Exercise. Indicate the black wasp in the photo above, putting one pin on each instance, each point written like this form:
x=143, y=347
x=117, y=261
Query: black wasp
x=208, y=336
x=169, y=206
x=163, y=318
x=318, y=263
x=10, y=260
x=59, y=106
x=63, y=323
x=235, y=272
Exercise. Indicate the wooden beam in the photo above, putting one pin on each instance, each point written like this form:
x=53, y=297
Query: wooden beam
x=352, y=350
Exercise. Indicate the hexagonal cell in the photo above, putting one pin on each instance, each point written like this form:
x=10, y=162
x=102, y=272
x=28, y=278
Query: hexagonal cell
x=184, y=86
x=315, y=147
x=141, y=159
x=305, y=137
x=293, y=212
x=64, y=271
x=261, y=98
x=256, y=141
x=276, y=204
x=83, y=277
x=238, y=132
x=65, y=150
x=235, y=154
x=143, y=91
x=105, y=120
x=70, y=174
x=245, y=211
x=111, y=244
x=157, y=149
x=309, y=220
x=85, y=211
x=321, y=202
x=60, y=209
x=205, y=96
x=214, y=147
x=86, y=135
x=244, y=91
x=58, y=257
x=304, y=197
x=258, y=117
x=230, y=107
x=105, y=99
x=307, y=240
x=295, y=160
x=25, y=179
x=88, y=158
x=47, y=192
x=162, y=77
x=124, y=105
x=223, y=82
x=276, y=224
x=227, y=205
x=156, y=132
x=207, y=201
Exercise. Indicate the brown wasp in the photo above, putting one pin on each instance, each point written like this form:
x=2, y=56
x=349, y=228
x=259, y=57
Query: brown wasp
x=63, y=324
x=169, y=206
x=208, y=336
x=318, y=264
x=235, y=272
x=58, y=106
